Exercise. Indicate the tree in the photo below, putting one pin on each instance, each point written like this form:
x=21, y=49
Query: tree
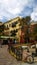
x=27, y=20
x=25, y=24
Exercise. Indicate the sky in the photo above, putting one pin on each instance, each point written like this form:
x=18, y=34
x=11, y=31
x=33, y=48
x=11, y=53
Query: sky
x=10, y=9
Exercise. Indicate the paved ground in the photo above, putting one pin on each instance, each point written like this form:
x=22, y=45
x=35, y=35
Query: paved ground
x=7, y=59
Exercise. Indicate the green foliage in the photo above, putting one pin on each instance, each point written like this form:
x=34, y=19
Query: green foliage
x=25, y=22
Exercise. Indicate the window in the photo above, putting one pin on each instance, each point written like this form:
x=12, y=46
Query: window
x=9, y=25
x=16, y=30
x=13, y=33
x=14, y=24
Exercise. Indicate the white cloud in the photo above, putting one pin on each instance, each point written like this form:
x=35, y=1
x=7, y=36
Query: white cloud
x=0, y=17
x=34, y=14
x=12, y=8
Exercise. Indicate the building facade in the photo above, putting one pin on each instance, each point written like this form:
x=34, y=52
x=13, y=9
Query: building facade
x=13, y=28
x=1, y=28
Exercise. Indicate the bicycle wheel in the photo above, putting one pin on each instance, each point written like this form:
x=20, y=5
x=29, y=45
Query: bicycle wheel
x=30, y=59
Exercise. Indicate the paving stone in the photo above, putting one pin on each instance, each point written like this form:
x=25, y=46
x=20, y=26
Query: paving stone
x=7, y=59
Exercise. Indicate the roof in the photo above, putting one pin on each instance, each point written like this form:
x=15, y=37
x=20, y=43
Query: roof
x=11, y=20
x=33, y=23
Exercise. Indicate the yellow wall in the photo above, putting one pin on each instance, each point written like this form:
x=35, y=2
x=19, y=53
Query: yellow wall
x=10, y=28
